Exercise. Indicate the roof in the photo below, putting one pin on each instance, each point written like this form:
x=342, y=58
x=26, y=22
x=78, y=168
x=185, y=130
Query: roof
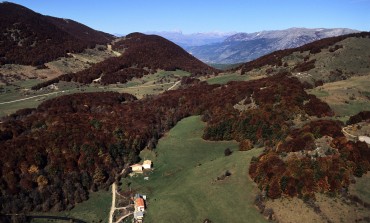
x=136, y=165
x=139, y=202
x=147, y=162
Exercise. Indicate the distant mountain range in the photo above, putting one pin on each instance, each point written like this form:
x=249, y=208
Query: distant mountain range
x=194, y=39
x=326, y=60
x=243, y=47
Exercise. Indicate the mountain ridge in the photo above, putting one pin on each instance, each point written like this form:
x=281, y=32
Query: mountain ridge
x=193, y=39
x=325, y=60
x=141, y=55
x=244, y=47
x=30, y=38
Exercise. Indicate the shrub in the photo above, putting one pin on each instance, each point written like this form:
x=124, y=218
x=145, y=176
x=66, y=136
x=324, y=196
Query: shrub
x=245, y=145
x=228, y=152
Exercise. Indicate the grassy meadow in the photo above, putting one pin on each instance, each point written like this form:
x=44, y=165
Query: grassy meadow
x=224, y=78
x=95, y=209
x=183, y=186
x=361, y=187
x=346, y=97
x=140, y=87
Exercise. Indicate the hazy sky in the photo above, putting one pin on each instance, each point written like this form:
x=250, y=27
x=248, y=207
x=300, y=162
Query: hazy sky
x=190, y=16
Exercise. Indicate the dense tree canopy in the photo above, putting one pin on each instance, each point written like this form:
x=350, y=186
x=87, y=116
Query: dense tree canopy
x=142, y=55
x=30, y=38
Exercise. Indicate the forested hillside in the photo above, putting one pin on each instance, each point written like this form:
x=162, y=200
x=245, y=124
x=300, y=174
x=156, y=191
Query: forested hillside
x=325, y=60
x=30, y=38
x=141, y=55
x=73, y=144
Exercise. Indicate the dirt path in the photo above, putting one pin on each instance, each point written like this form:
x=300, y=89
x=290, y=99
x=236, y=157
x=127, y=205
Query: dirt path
x=176, y=83
x=123, y=217
x=113, y=207
x=347, y=133
x=142, y=86
x=41, y=95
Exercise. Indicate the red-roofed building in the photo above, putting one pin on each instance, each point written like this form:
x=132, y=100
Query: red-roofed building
x=139, y=204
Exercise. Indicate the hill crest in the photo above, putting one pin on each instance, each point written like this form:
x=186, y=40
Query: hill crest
x=141, y=55
x=324, y=60
x=30, y=38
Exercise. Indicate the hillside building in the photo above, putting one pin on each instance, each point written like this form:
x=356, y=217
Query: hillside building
x=139, y=204
x=139, y=215
x=147, y=164
x=137, y=168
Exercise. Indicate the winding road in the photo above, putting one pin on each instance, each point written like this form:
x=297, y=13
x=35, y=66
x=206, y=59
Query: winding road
x=57, y=92
x=347, y=133
x=41, y=95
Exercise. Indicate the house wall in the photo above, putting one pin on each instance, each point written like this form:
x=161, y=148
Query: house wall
x=147, y=166
x=364, y=139
x=137, y=168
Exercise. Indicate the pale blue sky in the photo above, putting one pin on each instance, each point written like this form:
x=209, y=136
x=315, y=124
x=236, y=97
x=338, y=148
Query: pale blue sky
x=190, y=16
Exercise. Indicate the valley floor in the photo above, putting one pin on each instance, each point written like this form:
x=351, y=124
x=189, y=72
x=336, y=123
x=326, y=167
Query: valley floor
x=183, y=186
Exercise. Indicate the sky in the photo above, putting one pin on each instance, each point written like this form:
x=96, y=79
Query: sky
x=193, y=16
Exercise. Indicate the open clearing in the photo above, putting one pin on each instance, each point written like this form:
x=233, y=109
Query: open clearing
x=95, y=209
x=362, y=188
x=224, y=78
x=21, y=96
x=332, y=209
x=142, y=87
x=183, y=185
x=347, y=97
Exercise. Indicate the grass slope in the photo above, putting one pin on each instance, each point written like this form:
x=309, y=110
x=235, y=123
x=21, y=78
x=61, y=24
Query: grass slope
x=151, y=84
x=347, y=97
x=20, y=90
x=183, y=186
x=361, y=188
x=227, y=77
x=140, y=87
x=95, y=209
x=350, y=58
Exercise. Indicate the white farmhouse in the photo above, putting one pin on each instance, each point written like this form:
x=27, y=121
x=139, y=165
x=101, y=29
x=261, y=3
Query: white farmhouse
x=136, y=168
x=147, y=164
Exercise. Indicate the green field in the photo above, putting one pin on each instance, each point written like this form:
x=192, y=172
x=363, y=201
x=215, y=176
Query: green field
x=227, y=77
x=20, y=90
x=361, y=187
x=346, y=97
x=151, y=84
x=224, y=66
x=95, y=209
x=147, y=85
x=183, y=186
